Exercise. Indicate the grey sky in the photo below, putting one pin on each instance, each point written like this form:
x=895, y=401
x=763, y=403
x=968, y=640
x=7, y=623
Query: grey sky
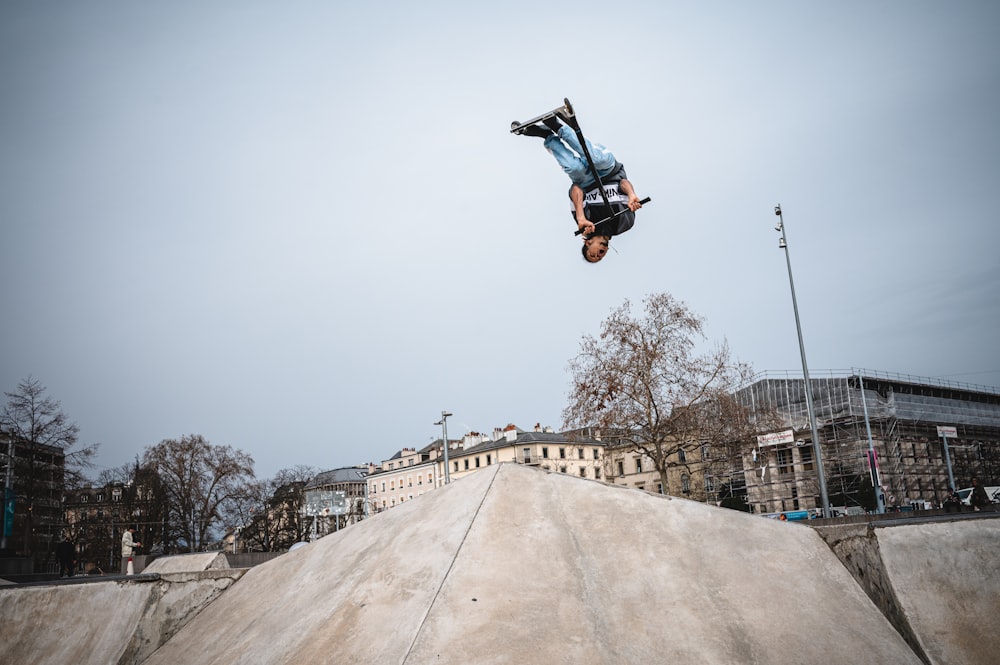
x=303, y=229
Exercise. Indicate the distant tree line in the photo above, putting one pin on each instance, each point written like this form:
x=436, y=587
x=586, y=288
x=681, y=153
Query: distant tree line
x=181, y=494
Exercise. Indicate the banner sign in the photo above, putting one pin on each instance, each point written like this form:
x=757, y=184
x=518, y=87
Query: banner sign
x=9, y=498
x=776, y=438
x=325, y=503
x=947, y=431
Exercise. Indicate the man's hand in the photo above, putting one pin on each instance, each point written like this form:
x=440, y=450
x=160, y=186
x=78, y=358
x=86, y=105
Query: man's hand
x=576, y=196
x=633, y=200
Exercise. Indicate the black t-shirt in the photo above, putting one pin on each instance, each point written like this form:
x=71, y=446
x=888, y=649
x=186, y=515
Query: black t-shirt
x=595, y=210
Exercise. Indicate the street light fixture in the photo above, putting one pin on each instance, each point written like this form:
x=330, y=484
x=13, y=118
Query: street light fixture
x=817, y=452
x=444, y=436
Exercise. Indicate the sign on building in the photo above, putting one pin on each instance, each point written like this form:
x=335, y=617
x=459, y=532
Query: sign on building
x=950, y=432
x=776, y=438
x=319, y=504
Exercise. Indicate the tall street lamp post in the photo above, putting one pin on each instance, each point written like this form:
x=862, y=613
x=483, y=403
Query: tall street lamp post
x=872, y=457
x=444, y=435
x=817, y=452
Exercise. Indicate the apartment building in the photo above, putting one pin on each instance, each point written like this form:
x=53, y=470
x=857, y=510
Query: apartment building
x=405, y=476
x=561, y=452
x=32, y=506
x=411, y=472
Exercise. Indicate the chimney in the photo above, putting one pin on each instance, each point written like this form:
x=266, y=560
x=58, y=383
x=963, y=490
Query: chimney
x=538, y=427
x=510, y=433
x=497, y=433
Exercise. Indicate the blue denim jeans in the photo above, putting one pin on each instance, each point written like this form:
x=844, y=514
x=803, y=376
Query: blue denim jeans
x=565, y=147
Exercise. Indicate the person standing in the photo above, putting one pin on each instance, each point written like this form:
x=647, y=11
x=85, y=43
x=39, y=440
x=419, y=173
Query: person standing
x=128, y=548
x=66, y=554
x=979, y=498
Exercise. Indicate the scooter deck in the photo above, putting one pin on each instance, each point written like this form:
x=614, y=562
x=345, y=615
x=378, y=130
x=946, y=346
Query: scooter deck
x=562, y=112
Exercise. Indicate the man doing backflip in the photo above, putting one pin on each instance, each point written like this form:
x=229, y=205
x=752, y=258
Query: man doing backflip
x=588, y=204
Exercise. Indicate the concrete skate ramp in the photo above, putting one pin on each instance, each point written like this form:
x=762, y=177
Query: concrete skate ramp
x=947, y=579
x=516, y=565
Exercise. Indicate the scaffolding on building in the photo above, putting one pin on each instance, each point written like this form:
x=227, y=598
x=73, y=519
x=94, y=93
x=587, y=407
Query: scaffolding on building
x=903, y=412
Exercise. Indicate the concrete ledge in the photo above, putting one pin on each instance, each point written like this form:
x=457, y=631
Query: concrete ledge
x=181, y=563
x=103, y=620
x=936, y=580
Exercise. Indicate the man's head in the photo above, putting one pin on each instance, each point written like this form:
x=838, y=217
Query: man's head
x=594, y=248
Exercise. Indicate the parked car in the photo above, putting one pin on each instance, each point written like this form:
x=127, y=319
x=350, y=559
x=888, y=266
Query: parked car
x=789, y=515
x=991, y=491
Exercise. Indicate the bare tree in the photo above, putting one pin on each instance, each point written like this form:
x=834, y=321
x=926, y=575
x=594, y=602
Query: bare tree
x=644, y=383
x=288, y=500
x=300, y=473
x=34, y=419
x=119, y=475
x=199, y=480
x=247, y=516
x=729, y=432
x=269, y=513
x=41, y=433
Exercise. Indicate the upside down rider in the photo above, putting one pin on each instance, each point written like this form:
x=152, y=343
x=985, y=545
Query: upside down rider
x=588, y=204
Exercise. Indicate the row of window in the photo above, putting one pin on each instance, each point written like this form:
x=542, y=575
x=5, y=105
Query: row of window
x=786, y=463
x=116, y=495
x=489, y=461
x=391, y=502
x=374, y=487
x=582, y=470
x=470, y=463
x=685, y=485
x=706, y=455
x=390, y=466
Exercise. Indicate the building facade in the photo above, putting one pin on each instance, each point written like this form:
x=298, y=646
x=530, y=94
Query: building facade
x=902, y=413
x=410, y=472
x=692, y=474
x=34, y=477
x=96, y=517
x=405, y=476
x=350, y=484
x=562, y=452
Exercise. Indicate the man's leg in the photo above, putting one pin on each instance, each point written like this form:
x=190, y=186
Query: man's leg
x=572, y=164
x=604, y=159
x=563, y=144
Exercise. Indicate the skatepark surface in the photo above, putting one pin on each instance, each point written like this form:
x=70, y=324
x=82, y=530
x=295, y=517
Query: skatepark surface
x=518, y=565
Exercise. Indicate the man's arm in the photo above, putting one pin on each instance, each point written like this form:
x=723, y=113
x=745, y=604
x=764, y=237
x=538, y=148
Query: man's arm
x=576, y=196
x=633, y=201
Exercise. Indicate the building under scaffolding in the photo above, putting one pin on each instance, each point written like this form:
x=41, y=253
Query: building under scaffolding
x=903, y=413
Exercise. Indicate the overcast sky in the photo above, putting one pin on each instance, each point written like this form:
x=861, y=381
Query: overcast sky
x=303, y=228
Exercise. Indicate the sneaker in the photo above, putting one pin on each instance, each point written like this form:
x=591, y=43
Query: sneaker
x=535, y=130
x=553, y=123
